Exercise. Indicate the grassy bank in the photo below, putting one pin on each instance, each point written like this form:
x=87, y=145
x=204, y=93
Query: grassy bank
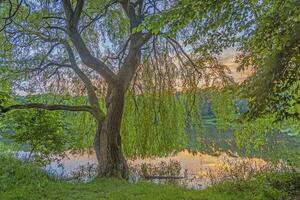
x=21, y=181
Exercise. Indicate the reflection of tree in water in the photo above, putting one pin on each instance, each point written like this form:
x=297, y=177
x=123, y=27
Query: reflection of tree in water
x=278, y=144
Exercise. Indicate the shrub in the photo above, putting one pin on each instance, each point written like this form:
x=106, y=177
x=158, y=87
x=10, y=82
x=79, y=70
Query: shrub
x=41, y=131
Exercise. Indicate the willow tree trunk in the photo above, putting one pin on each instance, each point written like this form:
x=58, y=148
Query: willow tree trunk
x=107, y=142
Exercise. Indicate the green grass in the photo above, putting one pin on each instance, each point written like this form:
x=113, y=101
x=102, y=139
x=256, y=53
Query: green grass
x=25, y=181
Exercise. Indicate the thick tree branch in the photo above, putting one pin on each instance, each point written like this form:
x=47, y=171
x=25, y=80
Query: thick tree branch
x=68, y=8
x=93, y=100
x=137, y=40
x=47, y=107
x=87, y=58
x=132, y=60
x=78, y=11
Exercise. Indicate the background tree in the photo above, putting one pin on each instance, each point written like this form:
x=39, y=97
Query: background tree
x=265, y=35
x=40, y=131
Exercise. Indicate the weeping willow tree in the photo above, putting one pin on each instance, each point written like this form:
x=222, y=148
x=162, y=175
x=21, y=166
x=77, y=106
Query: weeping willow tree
x=97, y=49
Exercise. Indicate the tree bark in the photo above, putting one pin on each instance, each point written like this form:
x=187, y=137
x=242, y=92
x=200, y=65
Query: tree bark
x=107, y=142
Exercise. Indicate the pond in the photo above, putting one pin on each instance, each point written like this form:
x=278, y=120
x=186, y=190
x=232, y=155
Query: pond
x=198, y=169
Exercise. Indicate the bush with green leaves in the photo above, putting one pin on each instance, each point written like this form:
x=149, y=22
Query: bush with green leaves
x=40, y=131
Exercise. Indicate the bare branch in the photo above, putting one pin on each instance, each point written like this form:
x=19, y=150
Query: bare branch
x=132, y=60
x=84, y=53
x=184, y=53
x=47, y=54
x=78, y=11
x=91, y=61
x=11, y=14
x=68, y=8
x=98, y=16
x=53, y=17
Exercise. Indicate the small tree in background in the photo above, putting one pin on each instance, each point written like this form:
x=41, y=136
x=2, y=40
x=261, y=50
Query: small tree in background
x=42, y=131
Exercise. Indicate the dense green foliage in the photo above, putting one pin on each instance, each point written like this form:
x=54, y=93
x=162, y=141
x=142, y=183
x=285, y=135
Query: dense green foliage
x=40, y=131
x=26, y=181
x=155, y=124
x=266, y=35
x=274, y=50
x=223, y=107
x=5, y=87
x=259, y=134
